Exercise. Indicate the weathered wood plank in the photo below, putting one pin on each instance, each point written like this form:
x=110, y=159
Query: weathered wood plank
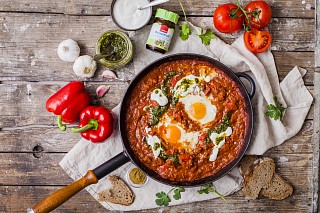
x=316, y=135
x=35, y=58
x=23, y=104
x=51, y=139
x=26, y=169
x=19, y=198
x=280, y=8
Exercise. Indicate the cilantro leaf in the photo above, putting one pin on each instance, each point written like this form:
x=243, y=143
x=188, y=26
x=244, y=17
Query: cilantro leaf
x=206, y=37
x=177, y=193
x=185, y=31
x=162, y=199
x=210, y=188
x=275, y=111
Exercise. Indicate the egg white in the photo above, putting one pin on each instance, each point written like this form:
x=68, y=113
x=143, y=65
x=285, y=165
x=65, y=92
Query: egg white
x=211, y=110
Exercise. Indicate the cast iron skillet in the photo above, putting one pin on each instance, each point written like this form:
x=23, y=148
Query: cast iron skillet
x=56, y=199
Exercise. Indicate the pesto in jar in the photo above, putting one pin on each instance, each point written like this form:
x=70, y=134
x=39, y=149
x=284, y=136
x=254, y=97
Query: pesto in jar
x=118, y=45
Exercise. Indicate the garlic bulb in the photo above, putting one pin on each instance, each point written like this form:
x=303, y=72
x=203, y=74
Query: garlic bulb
x=68, y=50
x=85, y=66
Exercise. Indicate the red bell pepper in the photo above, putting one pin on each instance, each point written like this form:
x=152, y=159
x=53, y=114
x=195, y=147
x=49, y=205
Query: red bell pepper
x=68, y=103
x=96, y=124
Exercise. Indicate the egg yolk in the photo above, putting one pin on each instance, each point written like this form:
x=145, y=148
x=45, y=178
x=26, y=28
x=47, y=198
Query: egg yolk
x=172, y=135
x=198, y=110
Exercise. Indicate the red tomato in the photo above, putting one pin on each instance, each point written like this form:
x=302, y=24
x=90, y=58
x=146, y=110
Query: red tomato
x=259, y=13
x=257, y=41
x=228, y=18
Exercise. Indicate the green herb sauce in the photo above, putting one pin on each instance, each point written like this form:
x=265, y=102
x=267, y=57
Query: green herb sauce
x=118, y=43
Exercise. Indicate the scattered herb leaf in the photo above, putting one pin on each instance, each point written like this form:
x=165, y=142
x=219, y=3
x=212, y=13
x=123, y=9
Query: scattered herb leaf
x=162, y=199
x=275, y=111
x=177, y=193
x=210, y=188
x=206, y=37
x=185, y=31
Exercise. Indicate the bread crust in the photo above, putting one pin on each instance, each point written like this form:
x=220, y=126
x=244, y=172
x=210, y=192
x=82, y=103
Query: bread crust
x=119, y=193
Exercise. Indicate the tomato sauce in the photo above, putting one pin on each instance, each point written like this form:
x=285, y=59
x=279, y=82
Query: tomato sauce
x=186, y=165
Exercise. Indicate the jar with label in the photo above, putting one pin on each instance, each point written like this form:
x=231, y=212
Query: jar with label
x=162, y=31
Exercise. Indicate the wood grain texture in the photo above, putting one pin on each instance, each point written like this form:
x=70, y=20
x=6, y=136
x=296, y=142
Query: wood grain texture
x=51, y=139
x=35, y=58
x=84, y=202
x=280, y=8
x=23, y=104
x=30, y=71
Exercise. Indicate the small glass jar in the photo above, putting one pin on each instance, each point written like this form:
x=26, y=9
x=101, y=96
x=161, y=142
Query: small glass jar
x=122, y=46
x=162, y=31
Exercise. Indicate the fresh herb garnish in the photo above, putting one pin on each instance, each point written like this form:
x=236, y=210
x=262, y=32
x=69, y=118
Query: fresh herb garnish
x=164, y=87
x=219, y=139
x=163, y=198
x=210, y=188
x=185, y=31
x=177, y=193
x=206, y=37
x=275, y=111
x=174, y=158
x=156, y=113
x=218, y=129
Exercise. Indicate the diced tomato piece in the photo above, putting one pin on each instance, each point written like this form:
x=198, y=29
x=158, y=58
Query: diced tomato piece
x=207, y=90
x=202, y=137
x=174, y=81
x=184, y=157
x=154, y=103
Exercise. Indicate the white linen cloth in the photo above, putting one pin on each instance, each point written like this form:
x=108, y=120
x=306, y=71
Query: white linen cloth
x=291, y=92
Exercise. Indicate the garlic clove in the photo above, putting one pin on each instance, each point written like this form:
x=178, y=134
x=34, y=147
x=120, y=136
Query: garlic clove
x=68, y=50
x=108, y=74
x=102, y=90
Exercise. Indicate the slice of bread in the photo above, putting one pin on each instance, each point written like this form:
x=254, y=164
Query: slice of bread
x=278, y=190
x=119, y=193
x=257, y=177
x=246, y=162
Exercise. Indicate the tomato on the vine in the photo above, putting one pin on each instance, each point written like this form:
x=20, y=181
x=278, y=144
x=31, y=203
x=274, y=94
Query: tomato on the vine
x=257, y=41
x=228, y=18
x=259, y=13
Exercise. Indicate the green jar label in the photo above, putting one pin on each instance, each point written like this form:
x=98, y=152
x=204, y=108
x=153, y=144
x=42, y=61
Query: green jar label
x=160, y=36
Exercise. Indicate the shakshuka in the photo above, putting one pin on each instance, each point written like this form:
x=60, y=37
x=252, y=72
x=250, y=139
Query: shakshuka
x=186, y=120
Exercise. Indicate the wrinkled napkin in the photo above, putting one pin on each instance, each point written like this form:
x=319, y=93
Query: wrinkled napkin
x=291, y=92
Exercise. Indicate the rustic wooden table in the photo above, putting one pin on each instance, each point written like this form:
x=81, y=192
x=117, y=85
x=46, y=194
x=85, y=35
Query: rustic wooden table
x=30, y=71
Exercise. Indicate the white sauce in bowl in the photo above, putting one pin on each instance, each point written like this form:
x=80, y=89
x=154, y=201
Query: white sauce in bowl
x=127, y=15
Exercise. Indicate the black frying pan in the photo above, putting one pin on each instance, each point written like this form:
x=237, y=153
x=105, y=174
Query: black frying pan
x=56, y=199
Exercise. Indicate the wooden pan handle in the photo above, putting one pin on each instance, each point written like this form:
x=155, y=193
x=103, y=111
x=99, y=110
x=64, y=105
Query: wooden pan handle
x=62, y=195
